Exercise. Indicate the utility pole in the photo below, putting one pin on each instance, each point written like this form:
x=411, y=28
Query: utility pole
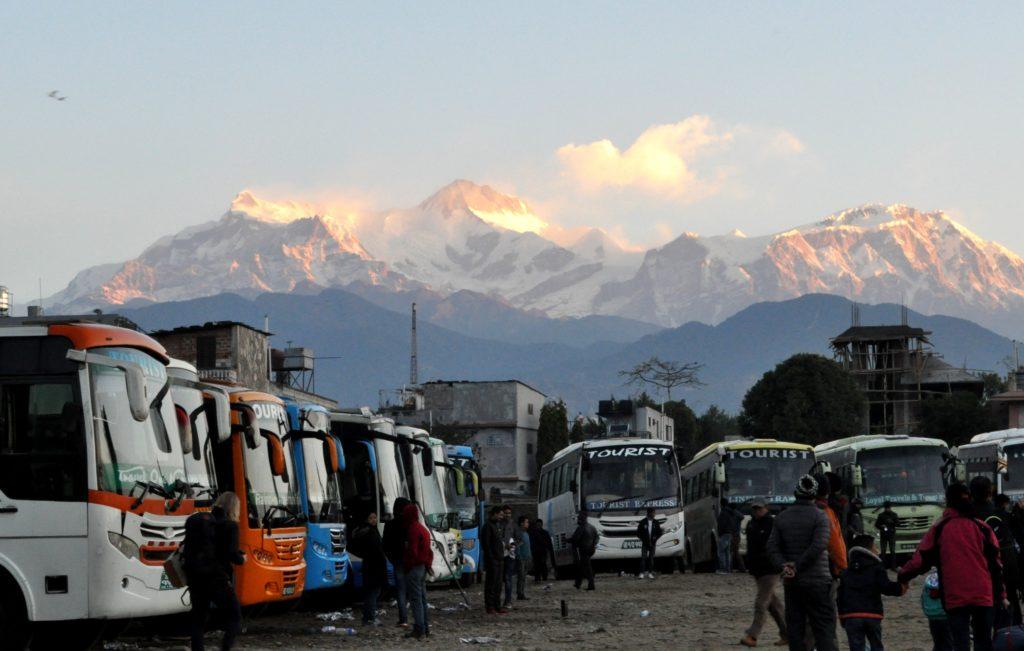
x=413, y=363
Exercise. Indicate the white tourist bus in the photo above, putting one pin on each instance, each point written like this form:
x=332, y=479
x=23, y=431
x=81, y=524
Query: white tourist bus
x=614, y=481
x=739, y=471
x=94, y=488
x=998, y=456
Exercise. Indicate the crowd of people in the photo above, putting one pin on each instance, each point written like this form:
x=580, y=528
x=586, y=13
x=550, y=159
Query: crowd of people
x=833, y=572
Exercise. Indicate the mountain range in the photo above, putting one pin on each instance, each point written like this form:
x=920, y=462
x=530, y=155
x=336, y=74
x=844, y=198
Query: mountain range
x=469, y=246
x=372, y=343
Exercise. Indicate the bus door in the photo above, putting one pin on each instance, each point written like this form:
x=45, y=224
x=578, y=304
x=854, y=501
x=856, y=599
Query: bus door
x=360, y=485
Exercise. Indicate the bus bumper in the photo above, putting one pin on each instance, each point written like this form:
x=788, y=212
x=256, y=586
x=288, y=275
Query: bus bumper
x=609, y=548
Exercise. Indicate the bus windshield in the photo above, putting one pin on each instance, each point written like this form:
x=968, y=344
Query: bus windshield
x=1013, y=480
x=902, y=475
x=435, y=512
x=630, y=477
x=198, y=450
x=467, y=506
x=765, y=473
x=322, y=488
x=134, y=458
x=267, y=492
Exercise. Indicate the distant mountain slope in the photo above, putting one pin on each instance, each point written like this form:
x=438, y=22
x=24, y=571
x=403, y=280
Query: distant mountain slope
x=739, y=350
x=373, y=344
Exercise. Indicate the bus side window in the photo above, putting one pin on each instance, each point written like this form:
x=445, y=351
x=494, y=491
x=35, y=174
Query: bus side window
x=42, y=445
x=542, y=494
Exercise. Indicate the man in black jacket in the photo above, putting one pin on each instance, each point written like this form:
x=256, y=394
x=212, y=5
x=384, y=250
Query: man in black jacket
x=492, y=553
x=759, y=529
x=584, y=544
x=648, y=531
x=887, y=523
x=542, y=550
x=367, y=544
x=394, y=549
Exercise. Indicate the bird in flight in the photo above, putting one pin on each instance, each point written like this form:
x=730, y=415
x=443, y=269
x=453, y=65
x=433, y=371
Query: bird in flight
x=55, y=94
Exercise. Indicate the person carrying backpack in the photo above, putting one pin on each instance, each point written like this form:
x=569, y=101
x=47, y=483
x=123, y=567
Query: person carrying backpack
x=966, y=553
x=861, y=586
x=210, y=554
x=1008, y=531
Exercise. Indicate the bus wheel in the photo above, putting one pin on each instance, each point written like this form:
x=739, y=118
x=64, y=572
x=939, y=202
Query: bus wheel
x=14, y=626
x=665, y=565
x=71, y=636
x=686, y=562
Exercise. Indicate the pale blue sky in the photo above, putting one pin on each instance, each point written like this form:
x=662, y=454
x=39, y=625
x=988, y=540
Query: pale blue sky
x=173, y=108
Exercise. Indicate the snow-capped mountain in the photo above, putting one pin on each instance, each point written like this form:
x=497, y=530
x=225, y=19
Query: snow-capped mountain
x=472, y=237
x=873, y=253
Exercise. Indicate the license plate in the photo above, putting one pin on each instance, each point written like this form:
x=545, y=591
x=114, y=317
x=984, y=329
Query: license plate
x=165, y=582
x=631, y=544
x=288, y=589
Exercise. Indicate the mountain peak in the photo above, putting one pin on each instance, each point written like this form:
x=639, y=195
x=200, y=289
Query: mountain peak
x=486, y=203
x=265, y=210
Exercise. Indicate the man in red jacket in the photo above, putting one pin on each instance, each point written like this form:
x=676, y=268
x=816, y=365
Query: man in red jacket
x=966, y=552
x=417, y=562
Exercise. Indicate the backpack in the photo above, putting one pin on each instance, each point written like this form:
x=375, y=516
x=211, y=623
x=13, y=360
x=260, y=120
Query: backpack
x=1007, y=545
x=198, y=552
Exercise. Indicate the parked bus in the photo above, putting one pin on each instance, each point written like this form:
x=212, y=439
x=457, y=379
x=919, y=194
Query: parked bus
x=470, y=509
x=737, y=471
x=428, y=491
x=908, y=471
x=614, y=481
x=93, y=490
x=272, y=533
x=998, y=456
x=319, y=460
x=202, y=410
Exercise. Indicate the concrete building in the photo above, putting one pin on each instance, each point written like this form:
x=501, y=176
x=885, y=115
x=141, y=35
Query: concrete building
x=897, y=369
x=498, y=418
x=230, y=351
x=624, y=418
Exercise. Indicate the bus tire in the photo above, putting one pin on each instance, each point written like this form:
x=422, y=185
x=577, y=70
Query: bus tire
x=15, y=629
x=665, y=565
x=466, y=580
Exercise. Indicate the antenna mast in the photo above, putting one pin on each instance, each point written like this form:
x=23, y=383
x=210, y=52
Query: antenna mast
x=413, y=365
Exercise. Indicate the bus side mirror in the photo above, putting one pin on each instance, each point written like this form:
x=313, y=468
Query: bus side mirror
x=720, y=473
x=427, y=459
x=856, y=476
x=331, y=455
x=460, y=483
x=184, y=428
x=221, y=408
x=135, y=382
x=960, y=471
x=277, y=465
x=1002, y=463
x=246, y=424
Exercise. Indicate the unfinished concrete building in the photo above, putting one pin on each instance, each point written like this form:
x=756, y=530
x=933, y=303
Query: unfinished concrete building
x=896, y=369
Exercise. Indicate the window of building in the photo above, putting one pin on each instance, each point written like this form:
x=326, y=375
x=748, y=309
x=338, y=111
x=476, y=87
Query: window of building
x=529, y=408
x=206, y=352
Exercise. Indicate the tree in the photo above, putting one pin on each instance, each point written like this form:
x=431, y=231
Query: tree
x=994, y=384
x=664, y=375
x=684, y=427
x=553, y=431
x=955, y=418
x=805, y=399
x=716, y=425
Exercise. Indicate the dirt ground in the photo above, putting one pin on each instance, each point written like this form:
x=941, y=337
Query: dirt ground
x=704, y=611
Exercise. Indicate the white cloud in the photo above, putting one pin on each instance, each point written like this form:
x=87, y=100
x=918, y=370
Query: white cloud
x=680, y=161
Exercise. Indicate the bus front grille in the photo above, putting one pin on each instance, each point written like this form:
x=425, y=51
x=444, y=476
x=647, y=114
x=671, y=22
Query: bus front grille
x=337, y=541
x=916, y=522
x=289, y=549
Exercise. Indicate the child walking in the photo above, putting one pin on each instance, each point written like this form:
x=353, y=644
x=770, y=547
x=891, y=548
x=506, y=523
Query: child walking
x=861, y=586
x=931, y=604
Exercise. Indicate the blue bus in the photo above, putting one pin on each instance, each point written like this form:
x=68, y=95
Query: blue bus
x=319, y=459
x=470, y=507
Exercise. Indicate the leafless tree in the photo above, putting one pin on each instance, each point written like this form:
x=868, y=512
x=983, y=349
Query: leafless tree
x=663, y=374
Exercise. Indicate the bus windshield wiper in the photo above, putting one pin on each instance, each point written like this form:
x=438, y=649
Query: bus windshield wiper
x=283, y=509
x=148, y=487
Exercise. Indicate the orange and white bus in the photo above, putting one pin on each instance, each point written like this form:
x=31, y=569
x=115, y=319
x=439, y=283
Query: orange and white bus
x=93, y=487
x=254, y=464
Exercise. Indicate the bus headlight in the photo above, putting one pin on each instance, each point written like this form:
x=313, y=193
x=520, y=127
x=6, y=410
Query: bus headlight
x=469, y=544
x=123, y=544
x=320, y=548
x=674, y=528
x=262, y=556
